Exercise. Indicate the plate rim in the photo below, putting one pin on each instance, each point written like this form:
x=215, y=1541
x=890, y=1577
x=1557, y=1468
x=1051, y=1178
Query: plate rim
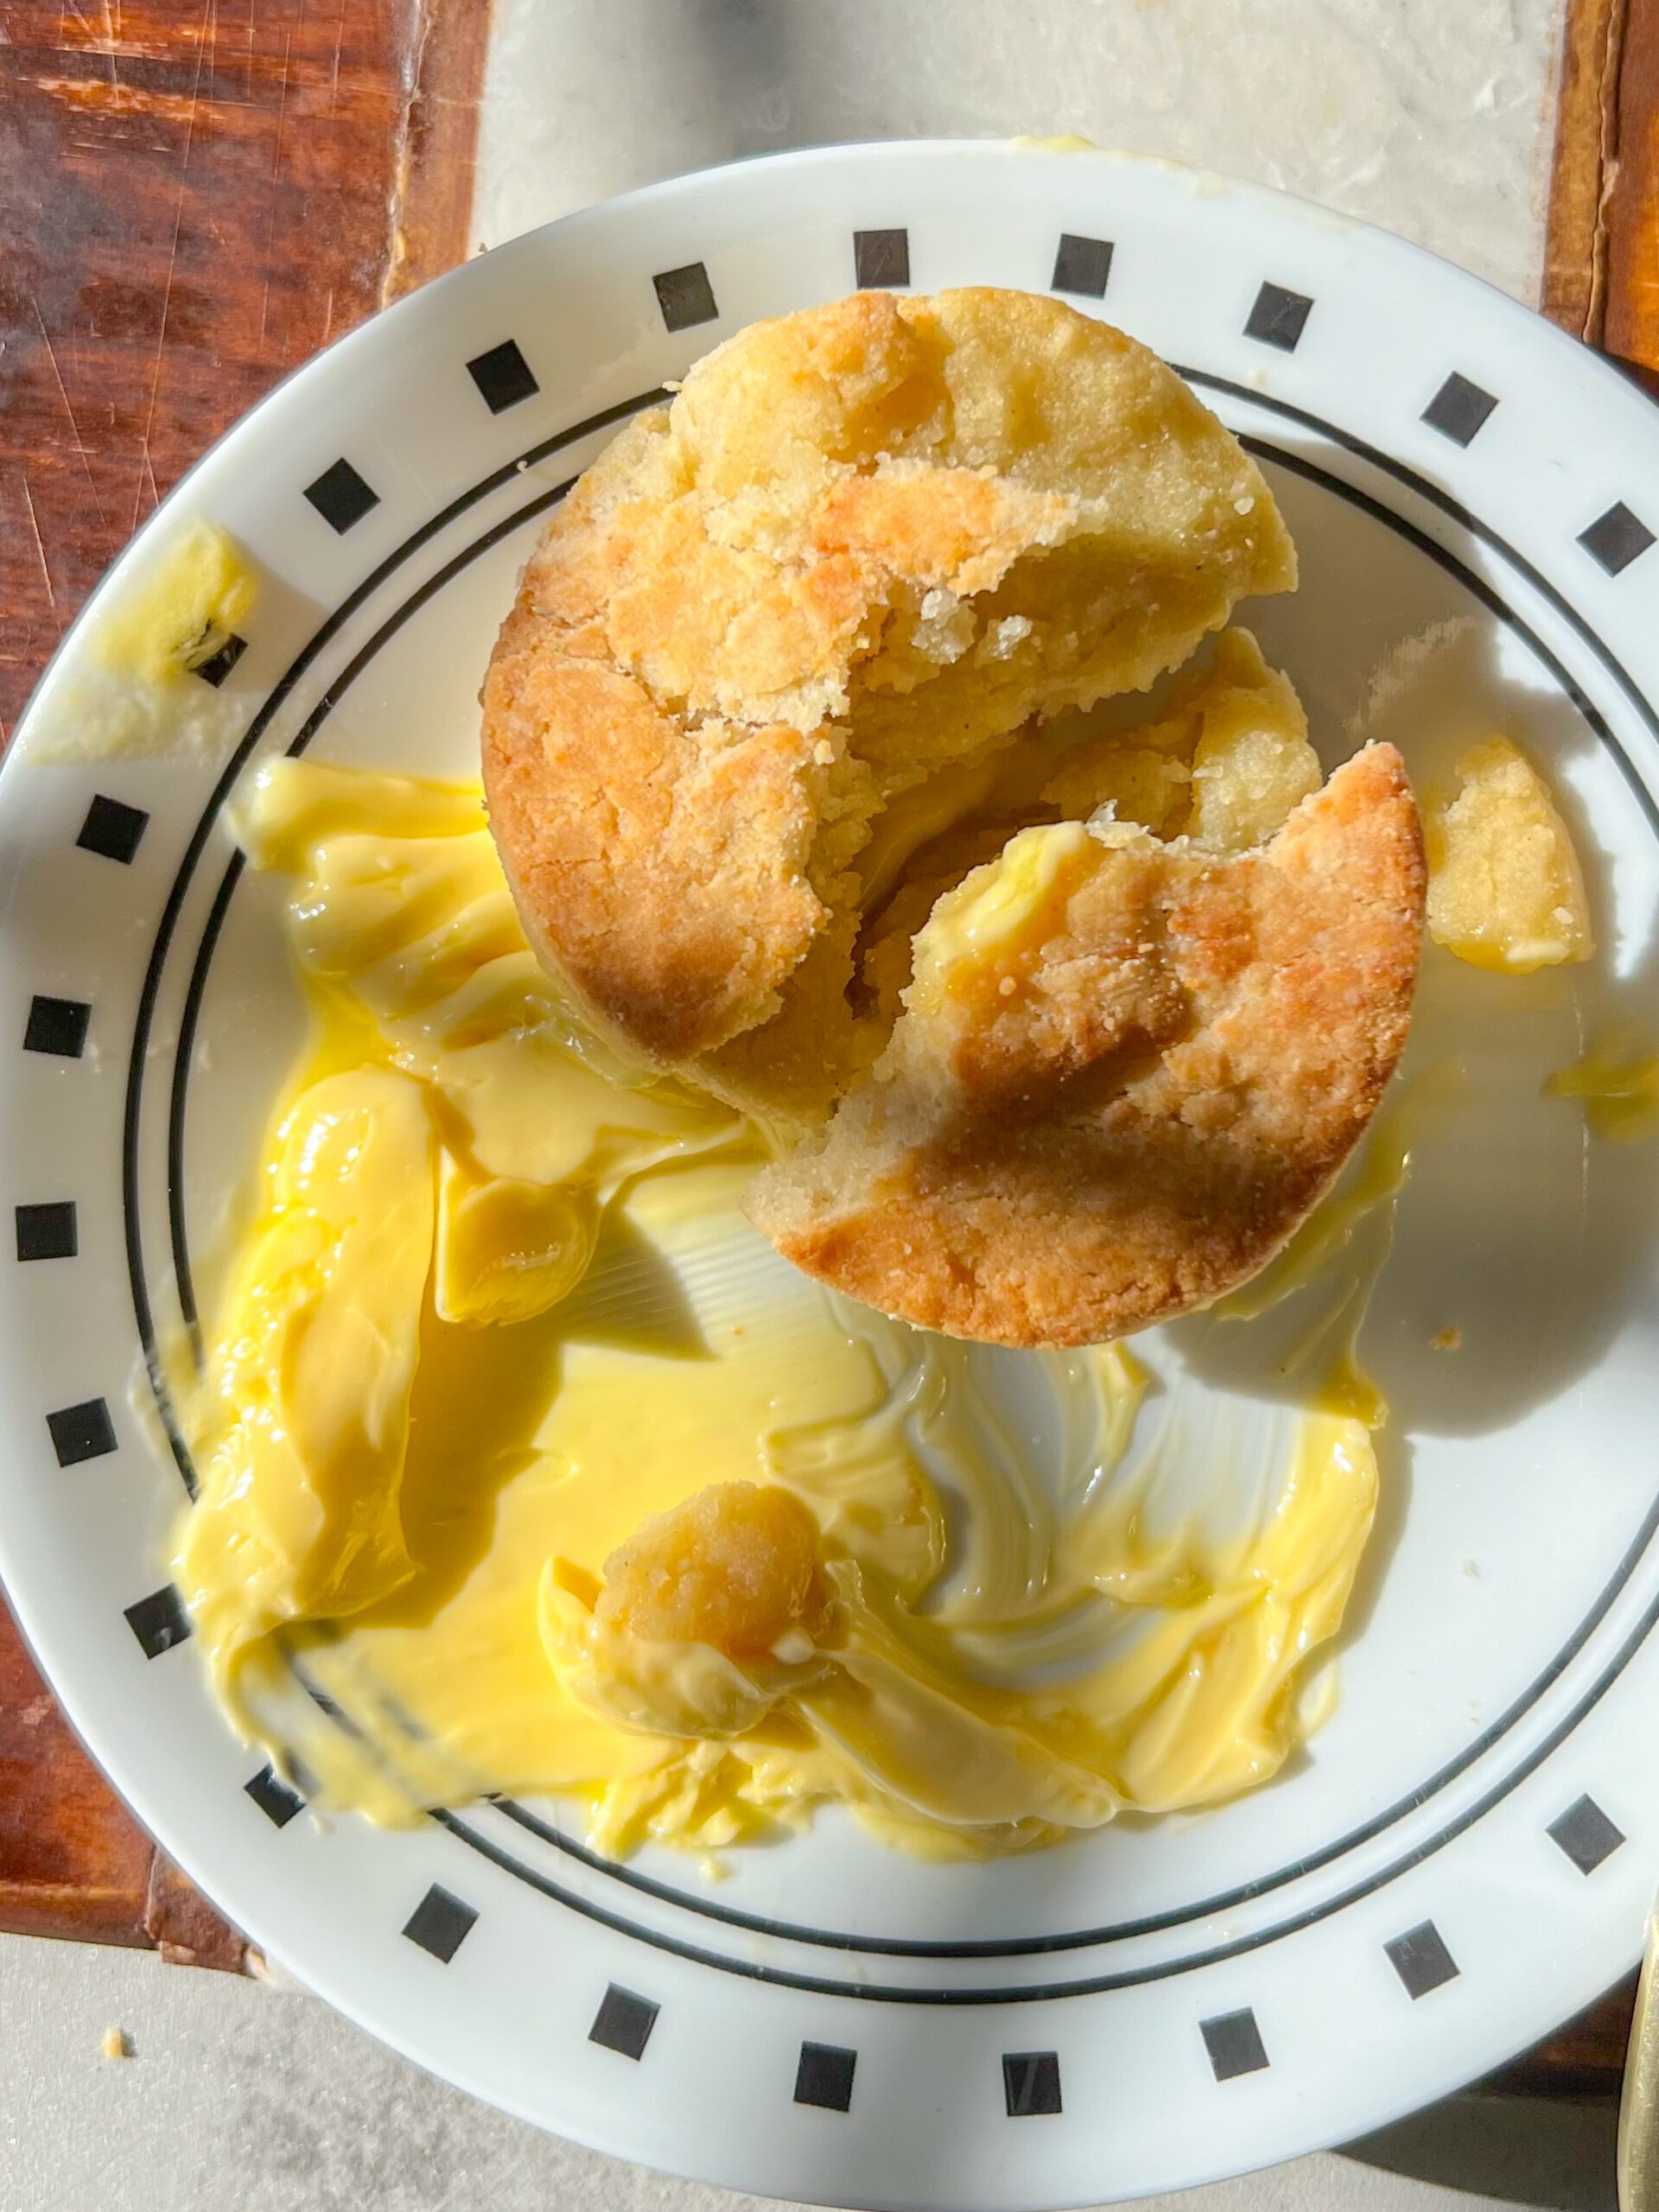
x=1584, y=362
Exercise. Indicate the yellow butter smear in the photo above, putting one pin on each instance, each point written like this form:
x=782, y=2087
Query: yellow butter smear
x=1617, y=1081
x=497, y=1302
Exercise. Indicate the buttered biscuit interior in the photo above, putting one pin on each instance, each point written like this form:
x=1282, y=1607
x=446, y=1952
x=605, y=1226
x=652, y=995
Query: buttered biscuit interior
x=870, y=548
x=1124, y=1070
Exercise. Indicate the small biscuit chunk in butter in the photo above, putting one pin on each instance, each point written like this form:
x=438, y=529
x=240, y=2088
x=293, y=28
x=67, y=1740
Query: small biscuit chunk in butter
x=735, y=1567
x=1505, y=889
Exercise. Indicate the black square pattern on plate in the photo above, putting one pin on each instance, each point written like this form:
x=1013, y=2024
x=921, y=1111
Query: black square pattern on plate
x=1586, y=1834
x=340, y=496
x=1082, y=266
x=623, y=2021
x=1279, y=317
x=159, y=1622
x=439, y=1923
x=112, y=830
x=82, y=1432
x=1420, y=1959
x=824, y=2077
x=685, y=297
x=1030, y=2083
x=1234, y=2043
x=1617, y=538
x=47, y=1232
x=57, y=1025
x=273, y=1797
x=503, y=376
x=218, y=666
x=881, y=257
x=1458, y=409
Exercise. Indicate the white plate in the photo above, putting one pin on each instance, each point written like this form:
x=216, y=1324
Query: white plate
x=1465, y=1856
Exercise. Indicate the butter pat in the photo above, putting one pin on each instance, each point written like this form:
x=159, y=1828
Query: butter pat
x=507, y=1249
x=1505, y=890
x=307, y=1404
x=180, y=610
x=137, y=692
x=999, y=911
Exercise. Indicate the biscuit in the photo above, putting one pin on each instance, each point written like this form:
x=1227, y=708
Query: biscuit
x=867, y=543
x=1124, y=1072
x=1222, y=759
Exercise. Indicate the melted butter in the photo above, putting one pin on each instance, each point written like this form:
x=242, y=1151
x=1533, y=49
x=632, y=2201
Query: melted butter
x=1617, y=1080
x=915, y=817
x=498, y=1303
x=999, y=911
x=1342, y=1247
x=179, y=611
x=142, y=689
x=1063, y=141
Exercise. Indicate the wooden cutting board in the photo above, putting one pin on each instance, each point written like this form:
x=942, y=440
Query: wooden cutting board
x=191, y=202
x=192, y=205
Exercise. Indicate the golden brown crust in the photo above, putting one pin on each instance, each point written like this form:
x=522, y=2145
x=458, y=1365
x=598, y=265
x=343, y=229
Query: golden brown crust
x=866, y=540
x=1118, y=1125
x=703, y=842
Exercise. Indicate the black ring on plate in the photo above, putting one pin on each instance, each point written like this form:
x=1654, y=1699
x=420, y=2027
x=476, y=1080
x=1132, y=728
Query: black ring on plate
x=1244, y=1893
x=143, y=1021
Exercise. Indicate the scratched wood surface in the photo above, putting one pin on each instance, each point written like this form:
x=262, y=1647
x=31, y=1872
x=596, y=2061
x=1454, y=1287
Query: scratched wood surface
x=193, y=200
x=1630, y=326
x=1601, y=262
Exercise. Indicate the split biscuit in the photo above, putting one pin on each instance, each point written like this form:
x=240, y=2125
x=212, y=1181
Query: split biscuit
x=867, y=543
x=1124, y=1072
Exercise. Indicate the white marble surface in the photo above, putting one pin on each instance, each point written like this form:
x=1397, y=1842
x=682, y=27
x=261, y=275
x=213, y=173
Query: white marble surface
x=1430, y=117
x=1434, y=117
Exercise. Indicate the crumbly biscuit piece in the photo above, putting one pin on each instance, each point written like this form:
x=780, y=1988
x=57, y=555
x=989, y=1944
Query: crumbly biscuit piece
x=1125, y=1071
x=1223, y=761
x=866, y=541
x=1505, y=887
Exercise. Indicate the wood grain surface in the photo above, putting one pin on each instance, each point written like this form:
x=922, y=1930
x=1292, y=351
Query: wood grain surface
x=193, y=200
x=1601, y=262
x=1630, y=327
x=1575, y=241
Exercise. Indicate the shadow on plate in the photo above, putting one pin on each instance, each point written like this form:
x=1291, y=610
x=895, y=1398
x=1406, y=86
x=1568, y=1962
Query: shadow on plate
x=1541, y=2150
x=1530, y=1241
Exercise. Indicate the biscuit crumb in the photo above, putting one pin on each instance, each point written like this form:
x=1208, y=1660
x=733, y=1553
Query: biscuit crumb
x=117, y=2043
x=1448, y=1339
